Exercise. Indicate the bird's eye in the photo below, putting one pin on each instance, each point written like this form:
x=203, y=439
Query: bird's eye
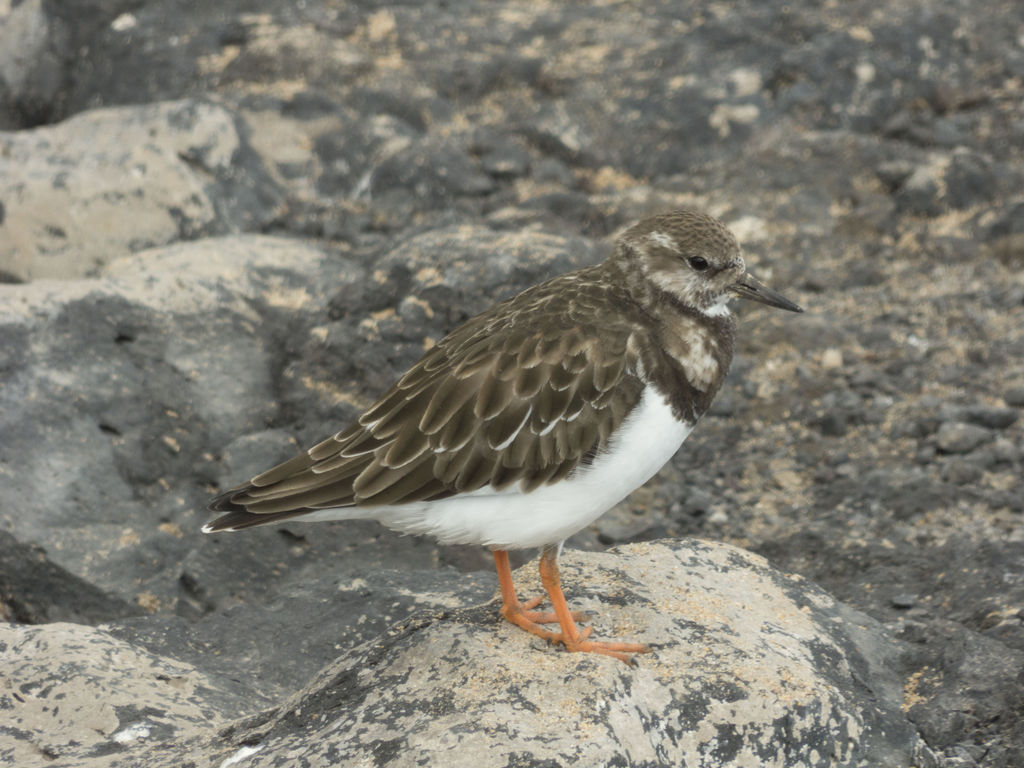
x=699, y=263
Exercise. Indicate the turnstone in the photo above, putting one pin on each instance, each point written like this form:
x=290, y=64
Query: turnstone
x=535, y=417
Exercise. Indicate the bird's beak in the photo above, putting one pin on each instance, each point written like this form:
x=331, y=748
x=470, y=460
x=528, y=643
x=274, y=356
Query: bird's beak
x=749, y=287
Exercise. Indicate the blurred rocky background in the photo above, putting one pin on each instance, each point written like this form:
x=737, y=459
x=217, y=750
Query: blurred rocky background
x=224, y=227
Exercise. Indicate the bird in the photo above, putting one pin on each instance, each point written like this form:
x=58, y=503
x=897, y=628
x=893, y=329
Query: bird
x=532, y=419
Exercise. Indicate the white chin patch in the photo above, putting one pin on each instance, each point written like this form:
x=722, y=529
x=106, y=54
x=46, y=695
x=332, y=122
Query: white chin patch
x=720, y=309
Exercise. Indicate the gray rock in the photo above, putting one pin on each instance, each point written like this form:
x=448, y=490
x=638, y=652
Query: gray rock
x=961, y=472
x=953, y=437
x=41, y=52
x=111, y=182
x=31, y=75
x=116, y=388
x=552, y=170
x=506, y=160
x=894, y=173
x=946, y=708
x=1014, y=396
x=921, y=192
x=82, y=699
x=903, y=601
x=965, y=641
x=34, y=591
x=791, y=678
x=990, y=417
x=1009, y=221
x=970, y=179
x=274, y=639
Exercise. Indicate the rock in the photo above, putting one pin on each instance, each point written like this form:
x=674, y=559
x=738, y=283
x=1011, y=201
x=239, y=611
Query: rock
x=832, y=423
x=41, y=51
x=274, y=639
x=349, y=155
x=960, y=438
x=115, y=388
x=792, y=656
x=501, y=157
x=962, y=472
x=965, y=626
x=698, y=502
x=31, y=72
x=792, y=678
x=921, y=192
x=894, y=173
x=82, y=698
x=989, y=417
x=1008, y=221
x=840, y=409
x=111, y=182
x=434, y=172
x=552, y=170
x=34, y=591
x=970, y=179
x=903, y=601
x=946, y=708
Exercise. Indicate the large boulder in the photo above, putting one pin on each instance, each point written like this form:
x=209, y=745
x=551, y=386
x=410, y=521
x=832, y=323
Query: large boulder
x=750, y=666
x=108, y=182
x=116, y=390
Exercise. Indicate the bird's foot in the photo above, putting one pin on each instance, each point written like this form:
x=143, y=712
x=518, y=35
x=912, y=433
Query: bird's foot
x=523, y=617
x=617, y=650
x=546, y=617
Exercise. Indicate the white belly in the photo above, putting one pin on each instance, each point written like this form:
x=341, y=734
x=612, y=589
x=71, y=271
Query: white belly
x=510, y=519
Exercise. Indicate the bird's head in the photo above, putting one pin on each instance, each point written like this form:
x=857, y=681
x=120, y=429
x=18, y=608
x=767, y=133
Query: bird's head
x=694, y=258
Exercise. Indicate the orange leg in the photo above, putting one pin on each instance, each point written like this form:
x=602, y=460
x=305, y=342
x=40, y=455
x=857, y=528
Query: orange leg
x=570, y=636
x=522, y=614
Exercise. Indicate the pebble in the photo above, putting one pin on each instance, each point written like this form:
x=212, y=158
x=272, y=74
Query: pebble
x=903, y=601
x=962, y=472
x=954, y=437
x=832, y=358
x=831, y=423
x=823, y=475
x=1015, y=397
x=550, y=169
x=507, y=161
x=697, y=503
x=989, y=416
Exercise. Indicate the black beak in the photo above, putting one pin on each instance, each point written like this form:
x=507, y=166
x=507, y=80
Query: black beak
x=749, y=287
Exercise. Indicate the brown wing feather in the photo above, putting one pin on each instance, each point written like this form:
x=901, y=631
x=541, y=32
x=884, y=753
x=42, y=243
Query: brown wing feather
x=523, y=393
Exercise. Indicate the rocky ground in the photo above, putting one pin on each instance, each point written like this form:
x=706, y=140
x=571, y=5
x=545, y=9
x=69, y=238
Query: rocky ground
x=225, y=227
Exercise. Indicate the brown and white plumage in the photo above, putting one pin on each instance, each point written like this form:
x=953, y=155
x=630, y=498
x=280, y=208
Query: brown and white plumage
x=535, y=417
x=520, y=395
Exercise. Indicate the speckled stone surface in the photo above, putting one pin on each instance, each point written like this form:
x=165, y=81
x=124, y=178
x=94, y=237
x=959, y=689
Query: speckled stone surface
x=750, y=667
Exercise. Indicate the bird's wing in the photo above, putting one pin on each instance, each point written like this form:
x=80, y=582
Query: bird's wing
x=524, y=393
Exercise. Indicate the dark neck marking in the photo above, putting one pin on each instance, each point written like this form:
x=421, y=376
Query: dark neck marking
x=671, y=322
